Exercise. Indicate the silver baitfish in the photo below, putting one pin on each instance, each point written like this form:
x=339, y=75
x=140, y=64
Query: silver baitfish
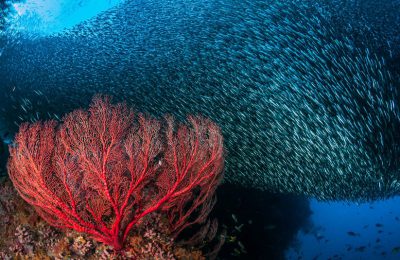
x=303, y=108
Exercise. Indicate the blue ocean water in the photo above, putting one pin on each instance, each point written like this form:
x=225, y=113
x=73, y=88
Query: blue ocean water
x=183, y=58
x=42, y=18
x=375, y=227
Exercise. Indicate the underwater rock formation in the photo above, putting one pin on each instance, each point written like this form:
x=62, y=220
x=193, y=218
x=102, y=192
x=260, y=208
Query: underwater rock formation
x=303, y=109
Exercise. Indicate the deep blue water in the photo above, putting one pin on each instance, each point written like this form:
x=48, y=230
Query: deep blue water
x=332, y=222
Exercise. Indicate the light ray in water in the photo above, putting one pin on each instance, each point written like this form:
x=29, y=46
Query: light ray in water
x=46, y=17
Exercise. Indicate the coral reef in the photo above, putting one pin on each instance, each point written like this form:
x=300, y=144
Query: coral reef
x=27, y=236
x=102, y=170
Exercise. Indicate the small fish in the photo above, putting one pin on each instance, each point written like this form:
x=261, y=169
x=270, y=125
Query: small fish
x=316, y=257
x=319, y=237
x=323, y=95
x=242, y=248
x=23, y=108
x=239, y=228
x=233, y=215
x=236, y=252
x=396, y=250
x=231, y=239
x=353, y=234
x=360, y=248
x=378, y=225
x=269, y=227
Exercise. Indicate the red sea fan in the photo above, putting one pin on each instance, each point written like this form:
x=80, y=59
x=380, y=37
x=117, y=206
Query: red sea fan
x=103, y=170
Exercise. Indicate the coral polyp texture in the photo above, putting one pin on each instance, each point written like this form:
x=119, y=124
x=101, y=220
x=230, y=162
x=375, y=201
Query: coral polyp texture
x=106, y=170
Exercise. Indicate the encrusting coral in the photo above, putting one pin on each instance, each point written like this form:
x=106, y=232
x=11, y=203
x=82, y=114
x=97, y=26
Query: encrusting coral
x=27, y=236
